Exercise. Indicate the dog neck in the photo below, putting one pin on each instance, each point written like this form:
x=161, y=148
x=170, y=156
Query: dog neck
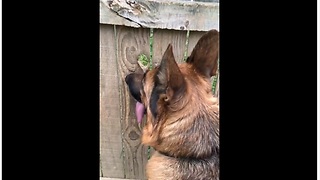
x=200, y=140
x=213, y=155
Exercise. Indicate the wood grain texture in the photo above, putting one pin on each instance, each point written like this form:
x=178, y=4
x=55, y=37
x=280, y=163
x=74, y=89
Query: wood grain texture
x=110, y=17
x=161, y=40
x=110, y=125
x=130, y=43
x=178, y=15
x=103, y=178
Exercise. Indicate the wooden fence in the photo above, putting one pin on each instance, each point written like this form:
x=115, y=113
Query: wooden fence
x=125, y=29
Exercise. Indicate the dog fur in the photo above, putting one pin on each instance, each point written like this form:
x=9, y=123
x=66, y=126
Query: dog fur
x=182, y=113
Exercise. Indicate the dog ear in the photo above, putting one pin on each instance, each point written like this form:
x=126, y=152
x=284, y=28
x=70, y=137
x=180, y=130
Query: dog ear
x=169, y=76
x=134, y=82
x=204, y=56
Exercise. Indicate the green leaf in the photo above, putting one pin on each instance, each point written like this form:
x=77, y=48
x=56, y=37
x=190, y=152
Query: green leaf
x=143, y=59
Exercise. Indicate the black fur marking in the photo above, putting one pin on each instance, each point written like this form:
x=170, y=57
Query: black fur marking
x=156, y=91
x=135, y=85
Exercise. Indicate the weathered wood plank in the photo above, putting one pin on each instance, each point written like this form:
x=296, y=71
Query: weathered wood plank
x=110, y=127
x=198, y=0
x=103, y=178
x=110, y=17
x=161, y=40
x=178, y=15
x=130, y=43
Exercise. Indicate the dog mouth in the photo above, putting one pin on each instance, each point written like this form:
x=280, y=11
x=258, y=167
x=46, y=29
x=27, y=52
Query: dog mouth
x=140, y=111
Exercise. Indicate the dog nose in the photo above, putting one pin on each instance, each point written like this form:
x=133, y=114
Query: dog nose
x=128, y=77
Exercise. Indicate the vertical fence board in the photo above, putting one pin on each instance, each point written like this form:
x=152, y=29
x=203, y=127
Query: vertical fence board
x=162, y=38
x=110, y=125
x=130, y=43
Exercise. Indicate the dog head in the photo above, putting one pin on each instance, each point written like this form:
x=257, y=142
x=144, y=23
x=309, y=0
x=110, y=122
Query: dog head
x=170, y=91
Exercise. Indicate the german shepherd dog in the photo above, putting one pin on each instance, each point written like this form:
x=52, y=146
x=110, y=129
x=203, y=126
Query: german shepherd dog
x=182, y=113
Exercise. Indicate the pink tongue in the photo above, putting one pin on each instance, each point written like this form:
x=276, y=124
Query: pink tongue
x=139, y=111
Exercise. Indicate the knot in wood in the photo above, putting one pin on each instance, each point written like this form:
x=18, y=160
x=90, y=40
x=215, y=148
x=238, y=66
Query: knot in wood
x=133, y=135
